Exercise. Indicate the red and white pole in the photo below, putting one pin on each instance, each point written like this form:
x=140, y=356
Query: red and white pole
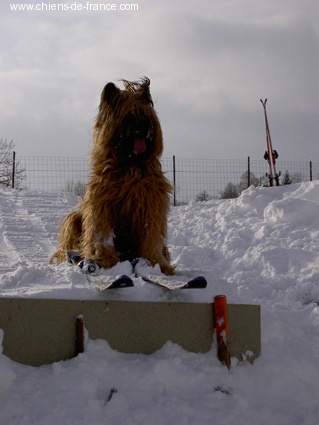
x=222, y=329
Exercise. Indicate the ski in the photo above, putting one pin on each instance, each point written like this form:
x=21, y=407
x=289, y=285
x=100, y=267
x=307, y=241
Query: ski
x=105, y=282
x=198, y=282
x=271, y=154
x=99, y=280
x=142, y=267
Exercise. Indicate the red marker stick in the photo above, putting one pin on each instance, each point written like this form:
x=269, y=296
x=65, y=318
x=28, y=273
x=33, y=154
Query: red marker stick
x=222, y=330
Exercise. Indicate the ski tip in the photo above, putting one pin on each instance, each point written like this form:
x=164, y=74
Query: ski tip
x=123, y=281
x=197, y=282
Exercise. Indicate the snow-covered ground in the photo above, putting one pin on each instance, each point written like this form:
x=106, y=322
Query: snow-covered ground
x=262, y=248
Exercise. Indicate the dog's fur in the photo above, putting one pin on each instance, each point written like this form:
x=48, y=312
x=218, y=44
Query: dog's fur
x=123, y=214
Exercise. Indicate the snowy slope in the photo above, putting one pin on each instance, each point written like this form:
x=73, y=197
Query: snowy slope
x=261, y=248
x=28, y=223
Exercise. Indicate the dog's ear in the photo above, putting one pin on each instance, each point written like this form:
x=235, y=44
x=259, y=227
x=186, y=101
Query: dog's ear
x=142, y=88
x=110, y=94
x=145, y=88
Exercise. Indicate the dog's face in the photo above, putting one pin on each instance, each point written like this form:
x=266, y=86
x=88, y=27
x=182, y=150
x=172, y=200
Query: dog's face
x=127, y=123
x=136, y=138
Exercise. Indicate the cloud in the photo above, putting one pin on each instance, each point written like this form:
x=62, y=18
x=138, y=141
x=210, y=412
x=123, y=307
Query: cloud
x=209, y=65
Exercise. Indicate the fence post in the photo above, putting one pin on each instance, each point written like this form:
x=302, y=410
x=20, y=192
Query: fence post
x=310, y=171
x=174, y=180
x=13, y=168
x=248, y=177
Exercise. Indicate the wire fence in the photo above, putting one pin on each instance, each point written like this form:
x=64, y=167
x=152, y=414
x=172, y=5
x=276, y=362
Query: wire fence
x=193, y=179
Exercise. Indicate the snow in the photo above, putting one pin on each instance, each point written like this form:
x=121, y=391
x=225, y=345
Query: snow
x=261, y=248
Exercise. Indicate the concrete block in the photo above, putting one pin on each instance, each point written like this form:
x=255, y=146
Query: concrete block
x=42, y=331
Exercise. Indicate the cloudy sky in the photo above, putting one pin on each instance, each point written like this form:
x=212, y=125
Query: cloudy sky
x=209, y=62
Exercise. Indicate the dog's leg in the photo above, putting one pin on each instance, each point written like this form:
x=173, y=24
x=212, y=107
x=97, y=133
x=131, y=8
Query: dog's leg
x=162, y=258
x=99, y=250
x=167, y=268
x=69, y=237
x=97, y=238
x=154, y=249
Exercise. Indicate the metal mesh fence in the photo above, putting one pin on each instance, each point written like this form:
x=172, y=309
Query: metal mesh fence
x=205, y=178
x=194, y=179
x=46, y=173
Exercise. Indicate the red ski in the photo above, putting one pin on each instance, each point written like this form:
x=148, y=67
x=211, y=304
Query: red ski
x=270, y=155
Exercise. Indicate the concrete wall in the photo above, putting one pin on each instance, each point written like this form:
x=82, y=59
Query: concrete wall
x=42, y=331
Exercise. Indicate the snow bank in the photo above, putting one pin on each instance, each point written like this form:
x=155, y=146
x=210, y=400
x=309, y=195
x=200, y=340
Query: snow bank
x=261, y=248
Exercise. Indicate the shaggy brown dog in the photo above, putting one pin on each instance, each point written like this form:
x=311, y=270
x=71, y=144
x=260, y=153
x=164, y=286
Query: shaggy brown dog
x=123, y=214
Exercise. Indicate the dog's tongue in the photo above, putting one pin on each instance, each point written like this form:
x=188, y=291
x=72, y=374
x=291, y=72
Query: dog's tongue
x=139, y=145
